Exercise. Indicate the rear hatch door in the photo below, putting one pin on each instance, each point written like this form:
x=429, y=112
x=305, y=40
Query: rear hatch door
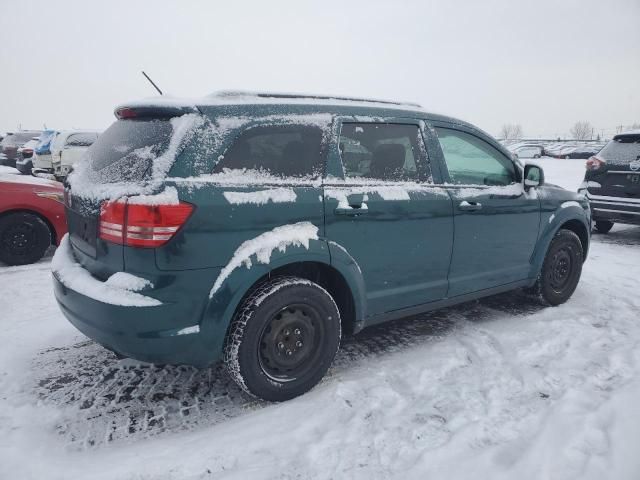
x=120, y=163
x=620, y=176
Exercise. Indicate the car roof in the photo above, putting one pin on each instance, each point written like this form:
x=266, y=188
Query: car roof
x=270, y=103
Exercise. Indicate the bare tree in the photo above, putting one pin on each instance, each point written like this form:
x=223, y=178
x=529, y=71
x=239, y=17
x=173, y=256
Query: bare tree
x=511, y=131
x=582, y=131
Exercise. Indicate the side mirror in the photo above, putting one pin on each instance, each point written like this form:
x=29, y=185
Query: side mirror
x=533, y=176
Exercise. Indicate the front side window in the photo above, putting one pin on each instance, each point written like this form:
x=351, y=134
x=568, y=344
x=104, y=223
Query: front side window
x=472, y=161
x=279, y=150
x=381, y=151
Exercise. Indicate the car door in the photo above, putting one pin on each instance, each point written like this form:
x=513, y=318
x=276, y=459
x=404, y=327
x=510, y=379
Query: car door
x=386, y=212
x=496, y=221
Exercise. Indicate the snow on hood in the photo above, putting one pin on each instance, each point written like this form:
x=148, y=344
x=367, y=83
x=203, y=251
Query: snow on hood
x=297, y=234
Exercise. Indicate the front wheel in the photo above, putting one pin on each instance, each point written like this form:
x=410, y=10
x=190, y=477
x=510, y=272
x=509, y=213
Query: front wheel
x=561, y=269
x=24, y=238
x=603, y=226
x=283, y=339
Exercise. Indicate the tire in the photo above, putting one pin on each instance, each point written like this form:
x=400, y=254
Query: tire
x=24, y=237
x=282, y=339
x=561, y=269
x=603, y=226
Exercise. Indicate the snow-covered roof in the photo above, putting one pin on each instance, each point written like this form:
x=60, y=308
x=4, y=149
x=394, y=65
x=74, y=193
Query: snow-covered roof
x=629, y=132
x=233, y=97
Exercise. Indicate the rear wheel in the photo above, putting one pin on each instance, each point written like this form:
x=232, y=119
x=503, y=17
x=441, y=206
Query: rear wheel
x=283, y=339
x=24, y=237
x=603, y=226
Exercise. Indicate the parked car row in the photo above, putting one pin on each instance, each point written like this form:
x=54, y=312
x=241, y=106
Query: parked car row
x=49, y=151
x=527, y=149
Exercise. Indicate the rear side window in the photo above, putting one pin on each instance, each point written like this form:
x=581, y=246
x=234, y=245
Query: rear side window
x=126, y=150
x=381, y=151
x=472, y=161
x=81, y=139
x=279, y=150
x=622, y=150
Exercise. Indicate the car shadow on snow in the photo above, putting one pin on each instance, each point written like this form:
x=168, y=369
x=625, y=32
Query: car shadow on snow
x=122, y=400
x=619, y=235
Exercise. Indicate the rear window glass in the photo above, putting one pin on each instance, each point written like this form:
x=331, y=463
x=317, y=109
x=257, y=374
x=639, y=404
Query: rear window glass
x=125, y=151
x=621, y=151
x=282, y=150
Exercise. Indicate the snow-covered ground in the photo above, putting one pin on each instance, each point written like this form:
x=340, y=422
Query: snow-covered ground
x=499, y=388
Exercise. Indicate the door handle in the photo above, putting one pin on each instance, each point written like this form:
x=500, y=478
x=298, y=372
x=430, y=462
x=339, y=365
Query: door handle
x=352, y=211
x=470, y=206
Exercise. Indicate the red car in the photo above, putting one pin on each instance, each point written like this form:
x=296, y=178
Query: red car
x=32, y=217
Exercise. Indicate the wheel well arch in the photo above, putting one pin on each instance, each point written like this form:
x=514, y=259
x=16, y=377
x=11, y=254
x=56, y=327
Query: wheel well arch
x=328, y=278
x=52, y=230
x=577, y=227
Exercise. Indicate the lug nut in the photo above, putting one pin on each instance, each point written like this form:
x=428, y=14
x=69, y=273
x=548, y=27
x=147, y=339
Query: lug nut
x=287, y=332
x=298, y=344
x=297, y=331
x=289, y=352
x=280, y=345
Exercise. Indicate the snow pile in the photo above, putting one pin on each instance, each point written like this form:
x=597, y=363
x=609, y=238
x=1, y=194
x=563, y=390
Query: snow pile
x=169, y=196
x=297, y=235
x=90, y=184
x=28, y=180
x=9, y=170
x=262, y=197
x=241, y=177
x=126, y=281
x=515, y=189
x=119, y=289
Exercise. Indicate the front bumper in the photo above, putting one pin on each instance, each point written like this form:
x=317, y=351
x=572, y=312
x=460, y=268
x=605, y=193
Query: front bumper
x=155, y=334
x=615, y=209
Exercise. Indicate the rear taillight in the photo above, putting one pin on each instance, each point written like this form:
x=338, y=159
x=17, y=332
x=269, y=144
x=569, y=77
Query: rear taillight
x=138, y=225
x=594, y=163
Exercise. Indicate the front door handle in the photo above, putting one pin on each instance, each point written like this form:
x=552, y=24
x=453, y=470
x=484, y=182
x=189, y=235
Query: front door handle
x=470, y=206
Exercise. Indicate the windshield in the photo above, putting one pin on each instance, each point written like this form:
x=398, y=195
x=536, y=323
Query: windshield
x=622, y=150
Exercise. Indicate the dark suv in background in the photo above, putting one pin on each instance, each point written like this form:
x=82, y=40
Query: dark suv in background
x=612, y=182
x=12, y=142
x=257, y=228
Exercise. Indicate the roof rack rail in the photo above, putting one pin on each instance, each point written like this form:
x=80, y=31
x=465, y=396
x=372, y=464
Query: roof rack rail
x=313, y=97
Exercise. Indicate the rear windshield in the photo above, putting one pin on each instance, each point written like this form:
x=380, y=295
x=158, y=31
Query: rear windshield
x=126, y=150
x=81, y=139
x=622, y=150
x=19, y=138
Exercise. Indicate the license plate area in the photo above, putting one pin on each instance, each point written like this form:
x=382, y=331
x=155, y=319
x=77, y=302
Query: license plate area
x=83, y=232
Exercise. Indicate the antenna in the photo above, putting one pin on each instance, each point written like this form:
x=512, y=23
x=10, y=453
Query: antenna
x=151, y=82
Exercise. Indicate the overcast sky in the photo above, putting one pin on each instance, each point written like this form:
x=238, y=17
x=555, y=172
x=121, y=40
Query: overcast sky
x=543, y=64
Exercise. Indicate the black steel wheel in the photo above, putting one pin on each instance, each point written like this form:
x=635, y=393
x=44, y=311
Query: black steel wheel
x=603, y=226
x=283, y=338
x=561, y=269
x=24, y=238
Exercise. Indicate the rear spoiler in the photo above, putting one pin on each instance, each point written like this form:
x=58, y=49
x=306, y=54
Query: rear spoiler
x=152, y=111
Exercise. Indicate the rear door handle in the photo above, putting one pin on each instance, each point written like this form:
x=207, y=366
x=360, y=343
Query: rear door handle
x=470, y=206
x=351, y=211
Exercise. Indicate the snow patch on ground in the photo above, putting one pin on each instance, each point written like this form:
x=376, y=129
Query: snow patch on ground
x=262, y=197
x=115, y=291
x=298, y=234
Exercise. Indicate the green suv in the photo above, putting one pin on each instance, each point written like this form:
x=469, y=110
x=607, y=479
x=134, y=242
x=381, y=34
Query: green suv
x=260, y=228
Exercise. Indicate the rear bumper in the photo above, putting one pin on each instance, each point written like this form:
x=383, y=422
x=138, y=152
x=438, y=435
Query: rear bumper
x=24, y=165
x=615, y=209
x=155, y=334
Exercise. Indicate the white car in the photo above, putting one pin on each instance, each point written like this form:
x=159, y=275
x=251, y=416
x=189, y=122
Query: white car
x=68, y=147
x=528, y=151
